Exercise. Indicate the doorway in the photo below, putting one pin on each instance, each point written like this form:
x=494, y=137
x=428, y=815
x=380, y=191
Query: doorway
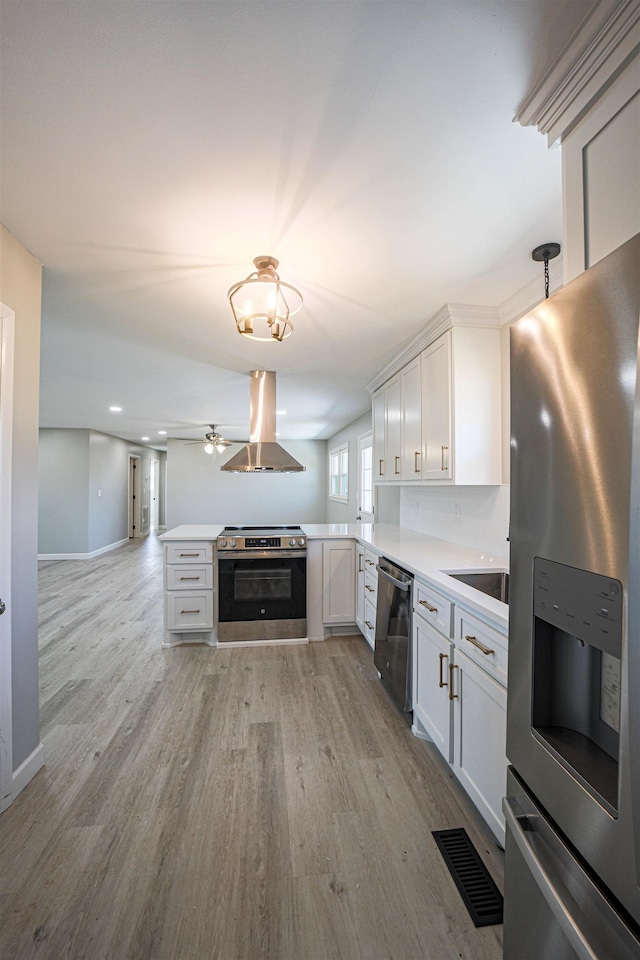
x=135, y=486
x=365, y=477
x=7, y=335
x=154, y=493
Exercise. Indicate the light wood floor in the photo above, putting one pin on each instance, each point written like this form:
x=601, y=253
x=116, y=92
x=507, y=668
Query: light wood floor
x=239, y=804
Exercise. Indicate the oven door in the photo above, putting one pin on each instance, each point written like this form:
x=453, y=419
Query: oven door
x=262, y=598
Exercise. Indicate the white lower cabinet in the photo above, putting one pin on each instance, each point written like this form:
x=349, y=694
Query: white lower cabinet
x=460, y=703
x=479, y=741
x=366, y=592
x=188, y=593
x=432, y=656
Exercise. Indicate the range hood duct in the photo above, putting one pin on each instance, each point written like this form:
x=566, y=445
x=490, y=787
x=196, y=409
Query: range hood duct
x=262, y=454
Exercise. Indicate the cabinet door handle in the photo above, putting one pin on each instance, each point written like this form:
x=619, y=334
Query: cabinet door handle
x=367, y=624
x=443, y=465
x=416, y=468
x=370, y=589
x=443, y=656
x=428, y=606
x=380, y=468
x=452, y=695
x=480, y=646
x=360, y=567
x=396, y=468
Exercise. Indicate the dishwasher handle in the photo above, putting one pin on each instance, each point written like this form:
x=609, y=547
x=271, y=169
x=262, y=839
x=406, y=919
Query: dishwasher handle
x=403, y=585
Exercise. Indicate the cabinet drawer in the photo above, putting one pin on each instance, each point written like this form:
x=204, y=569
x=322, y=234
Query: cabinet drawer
x=482, y=644
x=181, y=576
x=370, y=560
x=433, y=607
x=370, y=623
x=189, y=552
x=371, y=586
x=190, y=610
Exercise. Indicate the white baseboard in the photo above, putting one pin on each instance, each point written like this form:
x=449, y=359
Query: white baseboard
x=27, y=771
x=83, y=556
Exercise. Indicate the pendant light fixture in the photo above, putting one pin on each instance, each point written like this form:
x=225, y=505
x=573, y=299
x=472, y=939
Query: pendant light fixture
x=263, y=304
x=546, y=252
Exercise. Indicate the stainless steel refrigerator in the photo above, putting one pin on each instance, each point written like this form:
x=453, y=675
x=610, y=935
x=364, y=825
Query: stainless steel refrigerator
x=572, y=854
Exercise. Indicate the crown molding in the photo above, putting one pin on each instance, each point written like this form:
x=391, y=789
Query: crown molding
x=450, y=315
x=605, y=43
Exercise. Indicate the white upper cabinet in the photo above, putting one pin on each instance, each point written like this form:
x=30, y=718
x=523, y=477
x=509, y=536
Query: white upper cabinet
x=439, y=420
x=387, y=451
x=437, y=410
x=411, y=420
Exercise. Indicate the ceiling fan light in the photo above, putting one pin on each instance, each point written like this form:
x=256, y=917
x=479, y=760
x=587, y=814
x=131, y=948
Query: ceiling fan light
x=208, y=447
x=263, y=303
x=220, y=447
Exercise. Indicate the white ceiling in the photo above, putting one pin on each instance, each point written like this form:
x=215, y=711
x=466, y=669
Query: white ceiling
x=151, y=150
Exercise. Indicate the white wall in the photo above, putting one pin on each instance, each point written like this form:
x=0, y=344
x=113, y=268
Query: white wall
x=338, y=512
x=63, y=478
x=20, y=290
x=199, y=492
x=74, y=465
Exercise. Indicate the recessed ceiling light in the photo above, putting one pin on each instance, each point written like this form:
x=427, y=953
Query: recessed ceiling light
x=115, y=409
x=162, y=433
x=145, y=438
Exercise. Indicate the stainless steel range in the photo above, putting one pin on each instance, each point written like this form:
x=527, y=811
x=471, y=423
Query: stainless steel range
x=262, y=583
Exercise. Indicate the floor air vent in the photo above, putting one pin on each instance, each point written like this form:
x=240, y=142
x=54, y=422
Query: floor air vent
x=482, y=898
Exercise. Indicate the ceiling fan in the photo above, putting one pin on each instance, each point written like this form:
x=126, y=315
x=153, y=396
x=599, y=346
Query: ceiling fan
x=213, y=440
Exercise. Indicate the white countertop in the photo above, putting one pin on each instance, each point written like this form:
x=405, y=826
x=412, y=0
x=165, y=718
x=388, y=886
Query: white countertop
x=423, y=556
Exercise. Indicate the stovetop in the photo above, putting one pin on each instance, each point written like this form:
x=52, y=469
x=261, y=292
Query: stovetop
x=260, y=531
x=262, y=538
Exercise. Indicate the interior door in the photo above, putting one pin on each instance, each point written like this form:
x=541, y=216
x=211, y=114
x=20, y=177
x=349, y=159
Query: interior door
x=7, y=321
x=365, y=478
x=154, y=475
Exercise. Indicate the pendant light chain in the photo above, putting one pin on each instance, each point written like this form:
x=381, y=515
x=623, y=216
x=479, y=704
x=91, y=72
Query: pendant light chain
x=546, y=252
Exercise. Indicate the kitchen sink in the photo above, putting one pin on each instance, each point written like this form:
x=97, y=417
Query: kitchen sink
x=493, y=583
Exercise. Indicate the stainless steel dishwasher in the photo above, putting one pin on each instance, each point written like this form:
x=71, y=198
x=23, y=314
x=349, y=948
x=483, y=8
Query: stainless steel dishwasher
x=392, y=651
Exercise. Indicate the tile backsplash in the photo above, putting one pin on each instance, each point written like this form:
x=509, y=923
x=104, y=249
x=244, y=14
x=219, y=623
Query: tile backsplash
x=476, y=517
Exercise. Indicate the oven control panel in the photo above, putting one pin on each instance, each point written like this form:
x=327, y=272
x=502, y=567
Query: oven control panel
x=261, y=543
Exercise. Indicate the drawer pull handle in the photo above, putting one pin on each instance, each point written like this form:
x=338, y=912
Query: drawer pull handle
x=371, y=562
x=380, y=468
x=189, y=611
x=189, y=554
x=452, y=695
x=443, y=465
x=416, y=468
x=480, y=646
x=189, y=578
x=367, y=624
x=443, y=656
x=396, y=468
x=428, y=606
x=370, y=589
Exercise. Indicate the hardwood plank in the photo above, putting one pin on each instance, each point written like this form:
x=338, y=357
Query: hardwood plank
x=244, y=803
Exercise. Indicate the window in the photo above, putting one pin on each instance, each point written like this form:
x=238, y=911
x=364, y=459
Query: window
x=339, y=473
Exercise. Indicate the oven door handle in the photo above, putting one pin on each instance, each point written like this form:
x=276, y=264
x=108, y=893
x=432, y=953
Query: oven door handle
x=260, y=554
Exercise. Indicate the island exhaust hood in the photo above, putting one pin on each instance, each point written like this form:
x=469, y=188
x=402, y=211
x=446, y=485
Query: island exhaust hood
x=262, y=454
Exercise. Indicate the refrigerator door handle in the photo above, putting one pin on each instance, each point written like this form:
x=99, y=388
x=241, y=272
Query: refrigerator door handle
x=516, y=824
